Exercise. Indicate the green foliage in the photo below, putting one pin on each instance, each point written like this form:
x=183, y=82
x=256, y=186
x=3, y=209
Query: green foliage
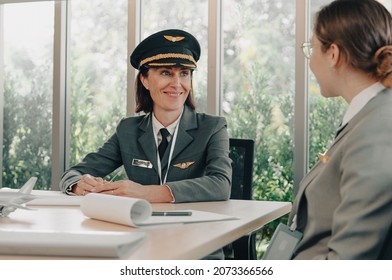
x=27, y=129
x=91, y=125
x=266, y=117
x=258, y=93
x=98, y=77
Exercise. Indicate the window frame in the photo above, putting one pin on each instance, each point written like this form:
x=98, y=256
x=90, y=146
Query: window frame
x=1, y=91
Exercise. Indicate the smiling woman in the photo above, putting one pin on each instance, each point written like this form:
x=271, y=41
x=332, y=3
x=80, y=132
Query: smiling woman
x=196, y=164
x=169, y=88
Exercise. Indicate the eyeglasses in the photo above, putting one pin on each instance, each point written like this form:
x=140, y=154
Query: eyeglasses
x=307, y=49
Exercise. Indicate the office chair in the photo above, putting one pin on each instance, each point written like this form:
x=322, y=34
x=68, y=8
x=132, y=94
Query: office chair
x=242, y=153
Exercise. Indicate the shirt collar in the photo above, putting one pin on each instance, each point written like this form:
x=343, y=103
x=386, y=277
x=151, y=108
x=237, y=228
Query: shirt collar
x=360, y=100
x=156, y=126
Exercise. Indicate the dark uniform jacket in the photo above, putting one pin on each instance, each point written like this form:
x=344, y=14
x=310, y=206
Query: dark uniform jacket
x=200, y=168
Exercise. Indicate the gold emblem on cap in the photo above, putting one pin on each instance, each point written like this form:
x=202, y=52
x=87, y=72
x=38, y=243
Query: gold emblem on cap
x=173, y=39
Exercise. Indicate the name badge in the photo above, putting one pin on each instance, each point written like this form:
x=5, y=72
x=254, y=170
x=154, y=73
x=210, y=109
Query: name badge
x=141, y=163
x=283, y=243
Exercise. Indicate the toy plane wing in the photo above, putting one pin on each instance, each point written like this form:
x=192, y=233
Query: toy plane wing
x=11, y=200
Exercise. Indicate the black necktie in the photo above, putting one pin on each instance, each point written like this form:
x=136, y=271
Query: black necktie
x=340, y=130
x=164, y=143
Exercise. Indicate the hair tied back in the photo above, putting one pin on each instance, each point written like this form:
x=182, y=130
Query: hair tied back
x=383, y=60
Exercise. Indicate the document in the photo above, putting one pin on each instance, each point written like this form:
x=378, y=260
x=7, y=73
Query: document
x=138, y=212
x=105, y=244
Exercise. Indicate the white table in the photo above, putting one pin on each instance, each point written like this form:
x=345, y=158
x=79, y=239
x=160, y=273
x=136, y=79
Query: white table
x=185, y=241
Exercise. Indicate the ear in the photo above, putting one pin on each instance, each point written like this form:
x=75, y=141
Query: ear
x=144, y=81
x=334, y=55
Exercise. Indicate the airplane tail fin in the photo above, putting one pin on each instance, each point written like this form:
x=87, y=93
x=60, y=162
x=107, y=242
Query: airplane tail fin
x=28, y=186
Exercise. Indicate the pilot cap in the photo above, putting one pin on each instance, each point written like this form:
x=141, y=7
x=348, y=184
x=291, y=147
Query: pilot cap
x=167, y=48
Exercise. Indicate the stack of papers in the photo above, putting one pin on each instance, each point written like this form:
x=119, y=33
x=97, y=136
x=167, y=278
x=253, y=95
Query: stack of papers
x=83, y=244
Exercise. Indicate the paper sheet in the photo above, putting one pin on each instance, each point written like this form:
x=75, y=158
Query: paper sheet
x=137, y=212
x=116, y=209
x=54, y=198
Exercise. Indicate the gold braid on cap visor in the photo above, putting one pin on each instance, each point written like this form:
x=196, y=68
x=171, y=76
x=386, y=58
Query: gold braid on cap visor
x=168, y=55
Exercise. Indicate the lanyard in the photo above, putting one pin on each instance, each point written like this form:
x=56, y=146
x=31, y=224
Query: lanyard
x=173, y=143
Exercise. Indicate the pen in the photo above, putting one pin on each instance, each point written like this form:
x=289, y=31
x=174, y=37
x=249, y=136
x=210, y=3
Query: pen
x=116, y=175
x=178, y=213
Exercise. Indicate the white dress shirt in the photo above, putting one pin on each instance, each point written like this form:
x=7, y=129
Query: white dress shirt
x=360, y=100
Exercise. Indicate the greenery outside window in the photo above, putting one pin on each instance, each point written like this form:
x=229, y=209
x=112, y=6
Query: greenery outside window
x=258, y=91
x=27, y=87
x=98, y=73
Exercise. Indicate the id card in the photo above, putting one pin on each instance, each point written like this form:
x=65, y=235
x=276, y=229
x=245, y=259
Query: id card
x=283, y=243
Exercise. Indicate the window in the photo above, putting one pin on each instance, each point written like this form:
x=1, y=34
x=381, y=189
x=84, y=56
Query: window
x=258, y=87
x=98, y=72
x=27, y=87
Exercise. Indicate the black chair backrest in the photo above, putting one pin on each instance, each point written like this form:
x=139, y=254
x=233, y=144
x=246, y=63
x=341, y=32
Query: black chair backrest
x=242, y=153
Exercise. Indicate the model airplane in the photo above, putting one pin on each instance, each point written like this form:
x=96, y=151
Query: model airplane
x=12, y=200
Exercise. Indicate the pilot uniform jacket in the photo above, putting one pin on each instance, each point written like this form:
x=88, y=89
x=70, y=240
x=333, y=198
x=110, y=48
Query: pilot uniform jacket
x=200, y=168
x=343, y=206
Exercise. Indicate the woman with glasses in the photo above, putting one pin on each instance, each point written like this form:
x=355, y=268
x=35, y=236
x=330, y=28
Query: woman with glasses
x=343, y=207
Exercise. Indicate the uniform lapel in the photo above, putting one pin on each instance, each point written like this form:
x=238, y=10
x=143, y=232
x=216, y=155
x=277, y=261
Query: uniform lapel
x=314, y=171
x=184, y=139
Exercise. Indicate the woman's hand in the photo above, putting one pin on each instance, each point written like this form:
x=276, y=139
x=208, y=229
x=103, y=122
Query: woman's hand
x=87, y=184
x=122, y=188
x=151, y=193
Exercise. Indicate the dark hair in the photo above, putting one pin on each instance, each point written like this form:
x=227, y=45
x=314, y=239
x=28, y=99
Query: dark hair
x=143, y=98
x=362, y=29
